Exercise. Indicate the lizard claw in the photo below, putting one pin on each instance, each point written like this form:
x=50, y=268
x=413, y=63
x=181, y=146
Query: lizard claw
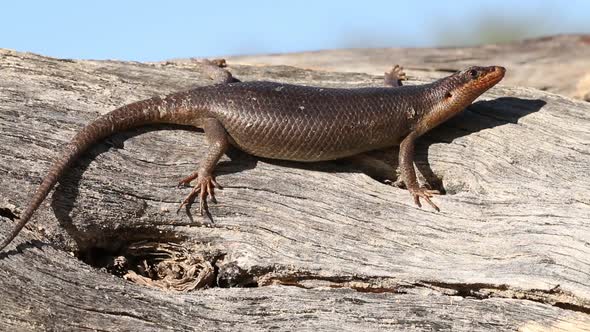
x=395, y=76
x=187, y=180
x=426, y=194
x=205, y=187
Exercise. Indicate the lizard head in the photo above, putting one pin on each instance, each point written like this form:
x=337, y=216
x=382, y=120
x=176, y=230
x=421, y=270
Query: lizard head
x=463, y=87
x=455, y=92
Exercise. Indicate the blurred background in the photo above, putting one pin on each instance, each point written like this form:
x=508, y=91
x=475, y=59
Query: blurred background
x=158, y=30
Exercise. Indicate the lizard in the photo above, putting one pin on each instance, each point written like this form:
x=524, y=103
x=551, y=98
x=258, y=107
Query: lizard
x=288, y=122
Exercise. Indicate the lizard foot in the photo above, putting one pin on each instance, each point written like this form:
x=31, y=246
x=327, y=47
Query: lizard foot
x=395, y=76
x=216, y=71
x=205, y=187
x=426, y=194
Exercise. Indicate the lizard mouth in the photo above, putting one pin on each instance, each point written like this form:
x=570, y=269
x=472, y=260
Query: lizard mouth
x=493, y=76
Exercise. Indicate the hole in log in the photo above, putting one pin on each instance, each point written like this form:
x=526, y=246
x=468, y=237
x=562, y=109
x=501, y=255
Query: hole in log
x=231, y=275
x=165, y=265
x=163, y=260
x=7, y=213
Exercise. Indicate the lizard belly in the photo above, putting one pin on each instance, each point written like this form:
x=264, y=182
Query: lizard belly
x=299, y=141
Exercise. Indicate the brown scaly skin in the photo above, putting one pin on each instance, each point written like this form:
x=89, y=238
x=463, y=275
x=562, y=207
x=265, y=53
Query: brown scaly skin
x=289, y=122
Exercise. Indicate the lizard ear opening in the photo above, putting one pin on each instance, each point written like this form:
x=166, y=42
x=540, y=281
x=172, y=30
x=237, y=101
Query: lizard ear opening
x=448, y=95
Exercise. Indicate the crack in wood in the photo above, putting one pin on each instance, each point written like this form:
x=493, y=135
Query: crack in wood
x=481, y=291
x=274, y=192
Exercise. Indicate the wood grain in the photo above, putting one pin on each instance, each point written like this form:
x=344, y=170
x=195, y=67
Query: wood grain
x=320, y=246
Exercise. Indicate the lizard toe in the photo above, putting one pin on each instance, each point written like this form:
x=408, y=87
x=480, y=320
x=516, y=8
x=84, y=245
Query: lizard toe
x=425, y=194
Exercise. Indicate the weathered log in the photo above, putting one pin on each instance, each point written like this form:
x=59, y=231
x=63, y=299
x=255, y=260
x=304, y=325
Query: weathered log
x=558, y=64
x=314, y=246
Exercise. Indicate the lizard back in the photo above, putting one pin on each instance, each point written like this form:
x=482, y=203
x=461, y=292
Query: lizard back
x=302, y=123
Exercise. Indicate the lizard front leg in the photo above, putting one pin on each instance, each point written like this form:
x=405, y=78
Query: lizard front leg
x=218, y=143
x=408, y=174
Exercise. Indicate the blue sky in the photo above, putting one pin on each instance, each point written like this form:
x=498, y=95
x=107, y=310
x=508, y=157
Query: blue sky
x=158, y=30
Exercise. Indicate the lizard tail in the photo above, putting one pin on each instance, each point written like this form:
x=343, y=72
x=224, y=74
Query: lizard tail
x=132, y=115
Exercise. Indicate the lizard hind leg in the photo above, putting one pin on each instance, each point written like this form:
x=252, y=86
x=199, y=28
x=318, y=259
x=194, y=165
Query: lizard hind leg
x=216, y=70
x=395, y=76
x=206, y=184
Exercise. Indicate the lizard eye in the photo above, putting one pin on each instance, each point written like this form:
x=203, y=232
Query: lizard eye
x=473, y=73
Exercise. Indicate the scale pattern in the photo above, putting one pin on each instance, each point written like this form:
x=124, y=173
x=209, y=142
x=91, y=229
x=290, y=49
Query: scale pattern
x=302, y=123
